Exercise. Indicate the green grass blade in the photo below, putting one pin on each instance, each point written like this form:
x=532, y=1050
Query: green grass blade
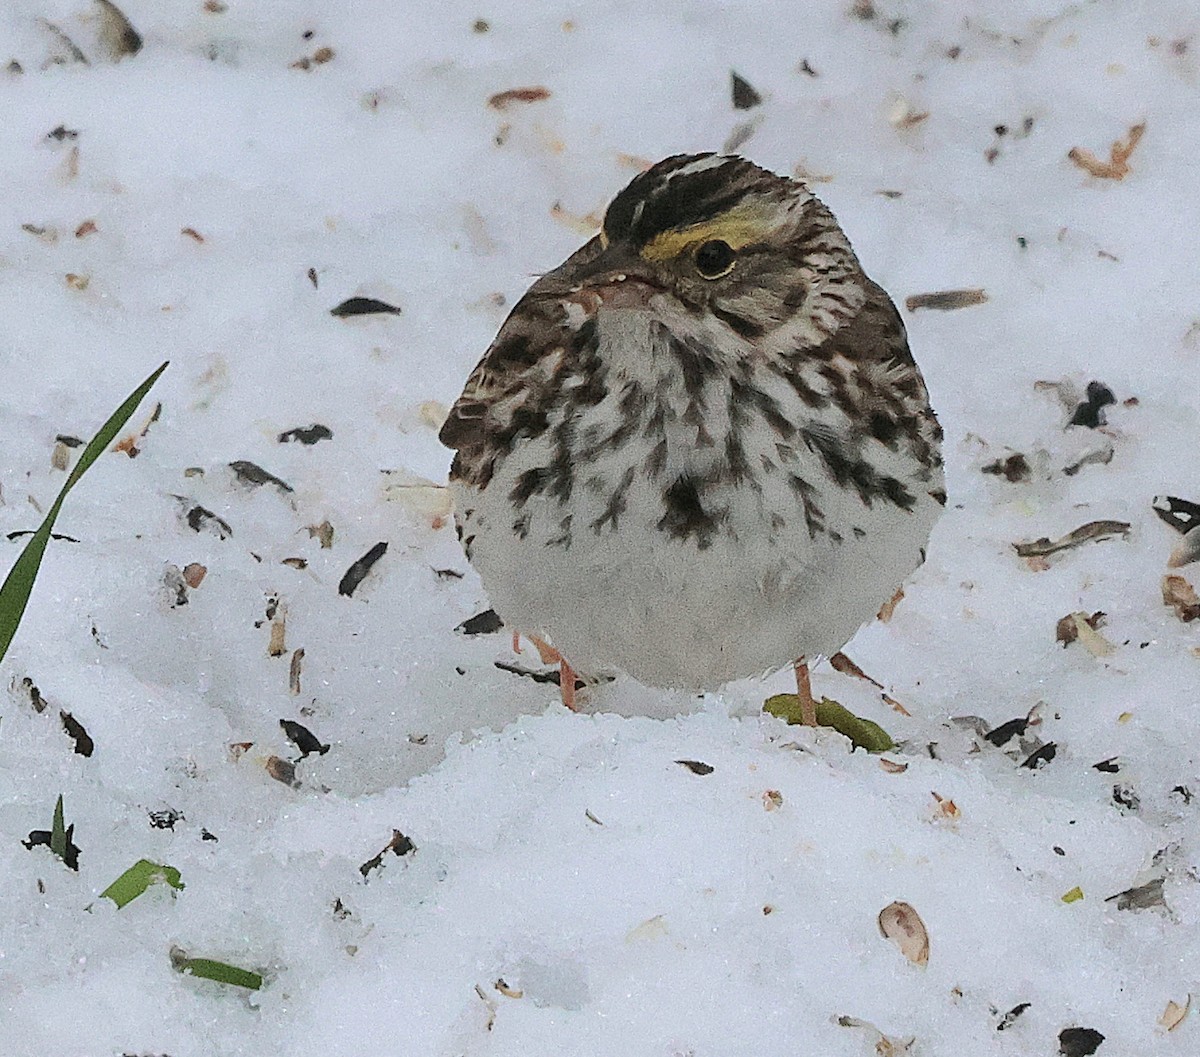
x=18, y=585
x=140, y=876
x=207, y=969
x=58, y=832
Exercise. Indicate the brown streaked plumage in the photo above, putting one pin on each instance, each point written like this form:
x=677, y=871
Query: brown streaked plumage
x=700, y=448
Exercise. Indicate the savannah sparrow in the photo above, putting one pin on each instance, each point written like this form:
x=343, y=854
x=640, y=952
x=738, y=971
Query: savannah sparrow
x=700, y=448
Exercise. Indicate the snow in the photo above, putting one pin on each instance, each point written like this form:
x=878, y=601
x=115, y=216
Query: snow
x=621, y=895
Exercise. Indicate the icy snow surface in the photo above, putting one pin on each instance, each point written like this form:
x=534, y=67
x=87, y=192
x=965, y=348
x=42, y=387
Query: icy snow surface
x=574, y=889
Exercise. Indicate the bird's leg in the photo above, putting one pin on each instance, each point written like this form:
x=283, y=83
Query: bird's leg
x=566, y=674
x=808, y=707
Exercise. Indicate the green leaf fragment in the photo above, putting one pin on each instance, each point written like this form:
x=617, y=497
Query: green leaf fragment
x=862, y=732
x=207, y=969
x=140, y=876
x=1073, y=896
x=17, y=586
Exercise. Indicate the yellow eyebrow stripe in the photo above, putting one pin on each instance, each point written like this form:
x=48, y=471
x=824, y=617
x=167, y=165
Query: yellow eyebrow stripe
x=738, y=227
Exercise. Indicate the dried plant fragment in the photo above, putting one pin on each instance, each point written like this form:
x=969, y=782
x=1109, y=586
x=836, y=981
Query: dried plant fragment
x=503, y=100
x=60, y=456
x=946, y=808
x=303, y=738
x=323, y=533
x=551, y=677
x=1083, y=628
x=486, y=623
x=419, y=495
x=70, y=50
x=885, y=1045
x=1010, y=1018
x=1090, y=412
x=1041, y=756
x=78, y=282
x=946, y=300
x=129, y=444
x=177, y=589
x=1181, y=596
x=1186, y=551
x=238, y=749
x=697, y=766
x=489, y=1003
x=399, y=845
x=363, y=306
x=1117, y=166
x=740, y=134
x=38, y=702
x=1141, y=897
x=84, y=745
x=294, y=672
x=277, y=644
x=192, y=234
x=892, y=766
x=359, y=569
x=634, y=161
x=839, y=662
x=1092, y=532
x=1100, y=455
x=88, y=227
x=1181, y=514
x=165, y=818
x=587, y=224
x=1124, y=796
x=888, y=609
x=772, y=800
x=1014, y=468
x=1001, y=735
x=318, y=58
x=901, y=924
x=254, y=475
x=1175, y=1014
x=194, y=574
x=1079, y=1042
x=506, y=991
x=117, y=34
x=282, y=770
x=904, y=115
x=198, y=518
x=306, y=434
x=743, y=93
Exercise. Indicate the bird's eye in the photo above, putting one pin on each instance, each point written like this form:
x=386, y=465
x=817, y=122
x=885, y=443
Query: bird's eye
x=714, y=258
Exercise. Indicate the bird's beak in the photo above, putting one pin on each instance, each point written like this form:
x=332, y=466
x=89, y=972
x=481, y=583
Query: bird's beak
x=617, y=278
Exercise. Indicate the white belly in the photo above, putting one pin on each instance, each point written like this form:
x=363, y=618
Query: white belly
x=673, y=614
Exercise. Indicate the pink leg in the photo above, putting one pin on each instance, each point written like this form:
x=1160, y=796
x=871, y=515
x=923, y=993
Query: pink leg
x=808, y=707
x=566, y=674
x=566, y=683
